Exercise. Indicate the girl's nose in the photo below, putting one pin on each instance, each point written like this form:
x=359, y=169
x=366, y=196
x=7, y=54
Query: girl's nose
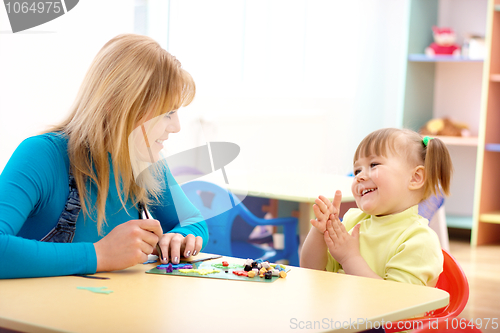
x=361, y=176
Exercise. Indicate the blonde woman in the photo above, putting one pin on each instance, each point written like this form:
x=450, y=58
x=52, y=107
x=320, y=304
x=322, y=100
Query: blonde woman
x=70, y=198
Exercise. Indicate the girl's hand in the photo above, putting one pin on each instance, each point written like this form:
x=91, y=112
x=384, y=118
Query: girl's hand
x=341, y=245
x=127, y=244
x=323, y=208
x=174, y=245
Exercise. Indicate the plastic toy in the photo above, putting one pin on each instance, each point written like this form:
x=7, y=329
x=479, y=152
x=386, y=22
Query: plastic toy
x=444, y=126
x=444, y=43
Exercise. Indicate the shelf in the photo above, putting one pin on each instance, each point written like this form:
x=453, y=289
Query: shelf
x=493, y=217
x=495, y=77
x=440, y=58
x=492, y=147
x=470, y=141
x=459, y=222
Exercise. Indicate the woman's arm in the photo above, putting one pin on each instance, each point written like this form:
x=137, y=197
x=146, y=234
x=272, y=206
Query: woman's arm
x=34, y=187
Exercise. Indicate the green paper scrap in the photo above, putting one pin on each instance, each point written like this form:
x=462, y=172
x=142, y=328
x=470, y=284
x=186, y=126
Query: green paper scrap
x=219, y=275
x=97, y=290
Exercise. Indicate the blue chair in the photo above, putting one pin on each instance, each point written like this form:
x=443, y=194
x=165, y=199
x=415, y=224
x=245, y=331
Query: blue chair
x=220, y=209
x=433, y=210
x=430, y=206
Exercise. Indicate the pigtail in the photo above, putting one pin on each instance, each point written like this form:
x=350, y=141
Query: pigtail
x=438, y=168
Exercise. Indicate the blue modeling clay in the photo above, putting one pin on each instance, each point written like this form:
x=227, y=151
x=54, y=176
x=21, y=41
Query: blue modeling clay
x=170, y=267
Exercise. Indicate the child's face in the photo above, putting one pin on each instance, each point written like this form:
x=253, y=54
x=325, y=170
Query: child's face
x=381, y=184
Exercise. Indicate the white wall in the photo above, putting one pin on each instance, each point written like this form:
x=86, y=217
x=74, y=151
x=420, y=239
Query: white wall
x=41, y=68
x=297, y=84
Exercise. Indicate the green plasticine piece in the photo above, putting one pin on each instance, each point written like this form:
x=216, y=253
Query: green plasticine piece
x=232, y=266
x=97, y=290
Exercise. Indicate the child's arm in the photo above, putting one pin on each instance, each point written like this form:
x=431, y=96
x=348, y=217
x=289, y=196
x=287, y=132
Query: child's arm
x=345, y=248
x=314, y=250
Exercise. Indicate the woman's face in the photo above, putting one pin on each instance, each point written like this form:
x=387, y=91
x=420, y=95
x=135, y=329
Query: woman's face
x=149, y=136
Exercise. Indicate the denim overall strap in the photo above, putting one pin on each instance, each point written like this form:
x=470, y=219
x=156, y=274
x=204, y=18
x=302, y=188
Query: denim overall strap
x=64, y=231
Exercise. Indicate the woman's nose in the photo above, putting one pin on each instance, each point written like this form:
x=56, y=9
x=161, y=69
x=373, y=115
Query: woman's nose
x=174, y=124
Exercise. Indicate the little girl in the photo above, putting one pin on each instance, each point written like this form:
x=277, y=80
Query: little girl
x=385, y=238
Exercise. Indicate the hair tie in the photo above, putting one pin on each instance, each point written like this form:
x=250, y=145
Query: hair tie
x=426, y=140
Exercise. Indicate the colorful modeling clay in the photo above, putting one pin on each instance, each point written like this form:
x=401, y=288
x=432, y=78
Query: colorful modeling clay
x=241, y=273
x=169, y=267
x=97, y=290
x=221, y=266
x=199, y=271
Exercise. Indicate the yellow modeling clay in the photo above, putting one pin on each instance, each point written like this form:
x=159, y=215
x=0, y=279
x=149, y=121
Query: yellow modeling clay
x=199, y=271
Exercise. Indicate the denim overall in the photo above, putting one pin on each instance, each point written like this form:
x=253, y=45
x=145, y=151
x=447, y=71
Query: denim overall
x=64, y=231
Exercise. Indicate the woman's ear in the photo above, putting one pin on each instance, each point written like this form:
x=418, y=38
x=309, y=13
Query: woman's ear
x=418, y=178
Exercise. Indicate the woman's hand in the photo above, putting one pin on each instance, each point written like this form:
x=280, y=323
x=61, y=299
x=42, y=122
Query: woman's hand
x=173, y=246
x=323, y=208
x=127, y=244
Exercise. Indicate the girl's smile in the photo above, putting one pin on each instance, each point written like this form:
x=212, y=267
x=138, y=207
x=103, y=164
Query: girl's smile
x=381, y=184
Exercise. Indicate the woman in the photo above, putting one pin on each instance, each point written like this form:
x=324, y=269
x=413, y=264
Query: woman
x=89, y=161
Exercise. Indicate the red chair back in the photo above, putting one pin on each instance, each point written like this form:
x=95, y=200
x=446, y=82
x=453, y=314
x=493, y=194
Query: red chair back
x=454, y=281
x=451, y=280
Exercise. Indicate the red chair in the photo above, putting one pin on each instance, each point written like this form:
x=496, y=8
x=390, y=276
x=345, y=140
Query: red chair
x=451, y=280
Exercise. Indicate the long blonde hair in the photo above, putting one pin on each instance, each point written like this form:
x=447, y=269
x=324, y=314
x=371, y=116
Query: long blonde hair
x=434, y=156
x=131, y=79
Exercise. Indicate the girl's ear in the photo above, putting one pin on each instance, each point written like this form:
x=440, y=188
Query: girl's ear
x=418, y=178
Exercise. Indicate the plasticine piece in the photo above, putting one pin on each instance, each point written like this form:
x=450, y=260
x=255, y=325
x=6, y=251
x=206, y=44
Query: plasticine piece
x=170, y=268
x=251, y=274
x=199, y=271
x=97, y=290
x=224, y=263
x=241, y=273
x=279, y=267
x=221, y=266
x=282, y=274
x=182, y=266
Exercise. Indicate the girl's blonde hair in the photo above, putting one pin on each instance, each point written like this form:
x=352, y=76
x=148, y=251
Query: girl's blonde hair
x=434, y=156
x=132, y=79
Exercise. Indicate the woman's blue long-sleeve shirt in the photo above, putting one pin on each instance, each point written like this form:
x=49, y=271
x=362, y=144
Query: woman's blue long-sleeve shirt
x=33, y=193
